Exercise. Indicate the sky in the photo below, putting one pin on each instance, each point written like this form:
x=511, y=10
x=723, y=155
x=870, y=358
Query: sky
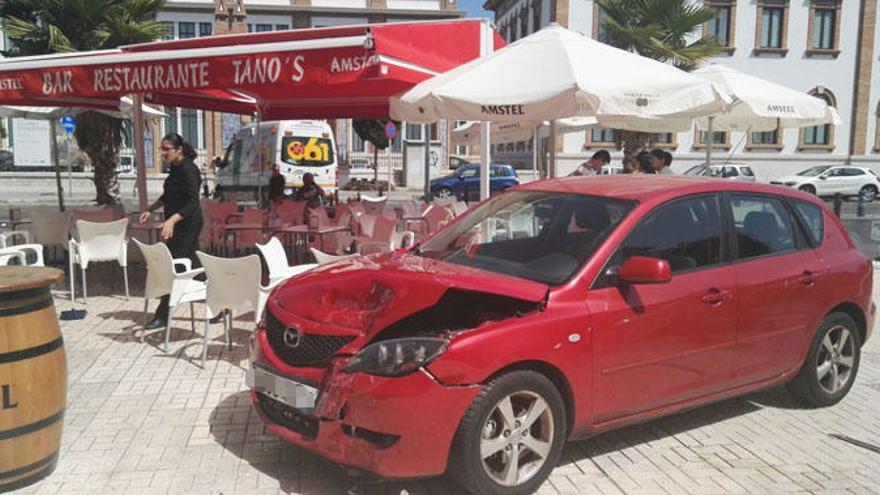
x=474, y=8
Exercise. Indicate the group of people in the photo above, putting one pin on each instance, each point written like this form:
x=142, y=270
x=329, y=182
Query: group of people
x=656, y=161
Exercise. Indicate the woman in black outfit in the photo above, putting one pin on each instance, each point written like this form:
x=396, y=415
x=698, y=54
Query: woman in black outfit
x=183, y=215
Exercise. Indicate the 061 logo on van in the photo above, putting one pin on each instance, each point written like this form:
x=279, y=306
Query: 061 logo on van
x=311, y=151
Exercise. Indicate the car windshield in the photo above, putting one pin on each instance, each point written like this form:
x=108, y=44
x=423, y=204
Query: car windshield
x=696, y=170
x=813, y=172
x=537, y=235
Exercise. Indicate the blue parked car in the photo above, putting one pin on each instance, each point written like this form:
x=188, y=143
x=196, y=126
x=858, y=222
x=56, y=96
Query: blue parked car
x=464, y=183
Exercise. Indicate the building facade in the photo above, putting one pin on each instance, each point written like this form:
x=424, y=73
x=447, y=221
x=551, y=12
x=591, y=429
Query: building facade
x=827, y=48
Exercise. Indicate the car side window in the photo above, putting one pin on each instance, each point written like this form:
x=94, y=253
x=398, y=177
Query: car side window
x=685, y=233
x=763, y=226
x=747, y=171
x=495, y=172
x=811, y=217
x=854, y=172
x=469, y=172
x=834, y=172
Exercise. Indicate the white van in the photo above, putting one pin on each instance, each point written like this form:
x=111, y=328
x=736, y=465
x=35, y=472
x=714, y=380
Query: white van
x=294, y=146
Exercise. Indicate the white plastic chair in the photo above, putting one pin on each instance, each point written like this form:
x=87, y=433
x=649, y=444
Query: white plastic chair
x=374, y=205
x=324, y=259
x=276, y=259
x=233, y=285
x=9, y=254
x=7, y=240
x=164, y=280
x=98, y=242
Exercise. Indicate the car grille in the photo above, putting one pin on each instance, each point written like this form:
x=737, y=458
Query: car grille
x=312, y=350
x=286, y=416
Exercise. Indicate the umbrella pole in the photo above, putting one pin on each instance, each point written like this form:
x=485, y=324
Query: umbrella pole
x=54, y=151
x=551, y=165
x=485, y=157
x=140, y=155
x=425, y=130
x=258, y=117
x=535, y=152
x=710, y=138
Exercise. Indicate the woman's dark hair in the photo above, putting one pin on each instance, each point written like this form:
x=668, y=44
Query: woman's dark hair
x=276, y=187
x=659, y=154
x=177, y=141
x=644, y=162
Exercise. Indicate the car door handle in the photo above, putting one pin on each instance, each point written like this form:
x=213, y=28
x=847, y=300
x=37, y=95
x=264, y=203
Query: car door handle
x=807, y=278
x=715, y=297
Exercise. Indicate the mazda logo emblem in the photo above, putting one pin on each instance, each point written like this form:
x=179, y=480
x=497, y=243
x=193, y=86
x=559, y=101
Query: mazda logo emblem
x=292, y=337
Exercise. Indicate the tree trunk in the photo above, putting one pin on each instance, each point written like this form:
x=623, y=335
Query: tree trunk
x=631, y=143
x=100, y=137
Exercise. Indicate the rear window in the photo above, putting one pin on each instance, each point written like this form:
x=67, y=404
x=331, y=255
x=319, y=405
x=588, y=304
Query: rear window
x=811, y=217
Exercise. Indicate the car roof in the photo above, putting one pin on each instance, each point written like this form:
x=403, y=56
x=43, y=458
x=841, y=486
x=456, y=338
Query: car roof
x=645, y=187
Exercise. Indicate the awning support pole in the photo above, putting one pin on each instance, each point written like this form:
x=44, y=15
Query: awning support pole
x=140, y=156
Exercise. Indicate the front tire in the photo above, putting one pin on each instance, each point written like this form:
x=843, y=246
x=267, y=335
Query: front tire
x=808, y=189
x=511, y=437
x=832, y=362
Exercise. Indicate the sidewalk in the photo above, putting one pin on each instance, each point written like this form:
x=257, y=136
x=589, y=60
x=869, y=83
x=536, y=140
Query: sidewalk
x=142, y=421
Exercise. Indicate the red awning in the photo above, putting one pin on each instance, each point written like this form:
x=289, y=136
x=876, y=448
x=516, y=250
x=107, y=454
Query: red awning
x=348, y=71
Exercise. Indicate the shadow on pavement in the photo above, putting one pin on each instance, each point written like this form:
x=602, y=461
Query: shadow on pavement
x=296, y=469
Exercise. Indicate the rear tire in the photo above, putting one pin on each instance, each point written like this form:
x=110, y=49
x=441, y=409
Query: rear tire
x=808, y=189
x=517, y=414
x=869, y=193
x=832, y=362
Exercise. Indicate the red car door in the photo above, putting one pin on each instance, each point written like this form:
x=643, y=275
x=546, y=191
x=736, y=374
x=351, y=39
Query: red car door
x=779, y=276
x=656, y=345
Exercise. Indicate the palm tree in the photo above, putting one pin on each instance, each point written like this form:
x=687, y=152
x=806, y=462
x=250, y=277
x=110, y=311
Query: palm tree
x=38, y=27
x=664, y=30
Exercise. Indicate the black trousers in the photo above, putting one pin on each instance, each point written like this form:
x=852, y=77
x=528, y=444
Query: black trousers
x=183, y=244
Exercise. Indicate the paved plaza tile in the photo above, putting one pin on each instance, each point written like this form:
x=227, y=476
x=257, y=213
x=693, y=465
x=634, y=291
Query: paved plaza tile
x=139, y=420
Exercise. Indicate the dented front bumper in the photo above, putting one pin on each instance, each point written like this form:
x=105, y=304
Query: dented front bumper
x=393, y=427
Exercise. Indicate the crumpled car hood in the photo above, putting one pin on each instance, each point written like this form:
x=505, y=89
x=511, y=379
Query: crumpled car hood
x=367, y=294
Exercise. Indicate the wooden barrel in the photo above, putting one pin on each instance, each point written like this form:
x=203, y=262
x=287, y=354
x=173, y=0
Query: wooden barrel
x=33, y=376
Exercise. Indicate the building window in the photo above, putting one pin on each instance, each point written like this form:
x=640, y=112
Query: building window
x=186, y=30
x=281, y=27
x=665, y=140
x=721, y=27
x=263, y=28
x=357, y=144
x=413, y=132
x=820, y=136
x=772, y=33
x=536, y=16
x=206, y=29
x=434, y=131
x=721, y=140
x=600, y=31
x=767, y=140
x=250, y=28
x=600, y=138
x=189, y=126
x=823, y=32
x=169, y=31
x=170, y=120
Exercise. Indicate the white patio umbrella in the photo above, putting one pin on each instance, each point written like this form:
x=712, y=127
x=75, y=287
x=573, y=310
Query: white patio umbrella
x=509, y=132
x=557, y=73
x=759, y=105
x=53, y=113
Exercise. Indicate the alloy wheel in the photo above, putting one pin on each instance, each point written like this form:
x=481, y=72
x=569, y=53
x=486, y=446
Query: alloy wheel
x=517, y=438
x=835, y=360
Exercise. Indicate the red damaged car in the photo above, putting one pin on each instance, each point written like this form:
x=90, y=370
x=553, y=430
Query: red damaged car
x=557, y=310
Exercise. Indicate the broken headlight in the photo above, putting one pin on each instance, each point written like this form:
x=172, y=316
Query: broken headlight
x=396, y=357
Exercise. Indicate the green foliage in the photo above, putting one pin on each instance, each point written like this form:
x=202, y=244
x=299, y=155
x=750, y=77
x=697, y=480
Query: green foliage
x=665, y=30
x=373, y=131
x=37, y=27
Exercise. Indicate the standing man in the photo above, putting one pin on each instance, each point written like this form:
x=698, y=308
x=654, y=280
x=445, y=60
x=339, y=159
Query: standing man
x=594, y=165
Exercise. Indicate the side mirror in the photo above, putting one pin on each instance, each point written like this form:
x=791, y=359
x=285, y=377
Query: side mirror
x=460, y=177
x=823, y=177
x=644, y=270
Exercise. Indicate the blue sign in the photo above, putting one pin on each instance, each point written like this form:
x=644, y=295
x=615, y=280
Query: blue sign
x=390, y=130
x=69, y=123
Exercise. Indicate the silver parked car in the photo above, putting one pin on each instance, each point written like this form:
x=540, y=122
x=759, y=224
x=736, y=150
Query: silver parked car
x=733, y=171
